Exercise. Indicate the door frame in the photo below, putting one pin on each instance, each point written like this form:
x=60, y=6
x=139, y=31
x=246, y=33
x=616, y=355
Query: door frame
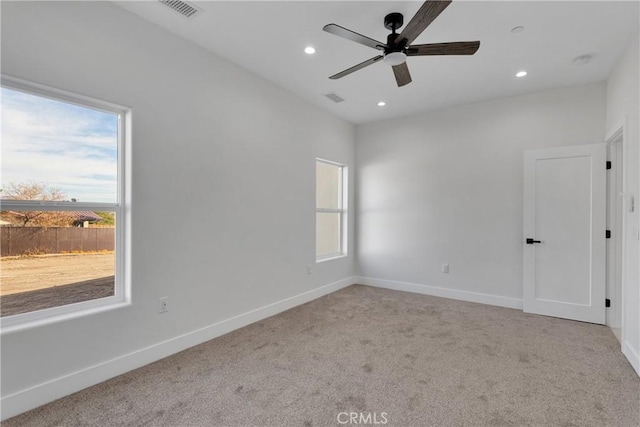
x=616, y=143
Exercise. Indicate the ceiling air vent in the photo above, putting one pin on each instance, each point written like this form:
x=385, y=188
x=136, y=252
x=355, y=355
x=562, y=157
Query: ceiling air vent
x=182, y=7
x=334, y=97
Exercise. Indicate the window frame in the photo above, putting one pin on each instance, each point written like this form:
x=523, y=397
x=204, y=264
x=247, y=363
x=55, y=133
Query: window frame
x=121, y=208
x=342, y=210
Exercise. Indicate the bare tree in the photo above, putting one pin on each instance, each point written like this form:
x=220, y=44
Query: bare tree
x=32, y=190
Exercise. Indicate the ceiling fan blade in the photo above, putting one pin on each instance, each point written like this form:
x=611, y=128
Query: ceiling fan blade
x=357, y=67
x=403, y=77
x=421, y=20
x=453, y=48
x=353, y=36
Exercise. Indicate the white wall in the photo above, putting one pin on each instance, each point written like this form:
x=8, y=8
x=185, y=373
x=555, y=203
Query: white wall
x=623, y=92
x=223, y=192
x=446, y=187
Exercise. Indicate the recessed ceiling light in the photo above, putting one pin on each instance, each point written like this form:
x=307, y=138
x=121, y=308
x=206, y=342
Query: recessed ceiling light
x=381, y=104
x=309, y=50
x=521, y=73
x=517, y=29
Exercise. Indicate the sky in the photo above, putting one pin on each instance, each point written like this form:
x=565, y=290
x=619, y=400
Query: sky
x=59, y=144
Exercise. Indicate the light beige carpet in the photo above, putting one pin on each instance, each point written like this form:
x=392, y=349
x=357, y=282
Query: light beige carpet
x=420, y=360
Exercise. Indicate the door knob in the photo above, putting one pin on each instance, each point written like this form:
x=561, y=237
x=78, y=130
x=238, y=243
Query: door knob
x=530, y=241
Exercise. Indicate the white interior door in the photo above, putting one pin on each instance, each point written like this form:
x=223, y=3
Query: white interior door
x=564, y=224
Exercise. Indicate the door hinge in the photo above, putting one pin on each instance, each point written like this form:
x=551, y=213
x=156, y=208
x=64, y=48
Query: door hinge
x=607, y=302
x=607, y=234
x=608, y=164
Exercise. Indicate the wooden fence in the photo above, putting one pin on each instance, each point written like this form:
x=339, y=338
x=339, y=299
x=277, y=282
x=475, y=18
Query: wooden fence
x=54, y=240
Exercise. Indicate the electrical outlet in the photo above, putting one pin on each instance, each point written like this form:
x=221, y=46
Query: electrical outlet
x=445, y=268
x=308, y=269
x=163, y=305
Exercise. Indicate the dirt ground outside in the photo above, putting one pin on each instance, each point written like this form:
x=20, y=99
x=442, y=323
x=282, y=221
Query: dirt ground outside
x=37, y=282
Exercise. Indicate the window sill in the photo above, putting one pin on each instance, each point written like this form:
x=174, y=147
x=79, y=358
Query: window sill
x=35, y=319
x=330, y=258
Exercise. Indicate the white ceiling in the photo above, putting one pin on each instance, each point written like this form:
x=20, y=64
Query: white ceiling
x=268, y=38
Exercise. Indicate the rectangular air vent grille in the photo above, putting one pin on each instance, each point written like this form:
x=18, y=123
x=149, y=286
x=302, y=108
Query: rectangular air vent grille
x=182, y=7
x=334, y=97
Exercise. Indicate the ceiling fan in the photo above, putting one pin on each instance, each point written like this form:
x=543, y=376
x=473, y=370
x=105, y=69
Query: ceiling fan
x=399, y=46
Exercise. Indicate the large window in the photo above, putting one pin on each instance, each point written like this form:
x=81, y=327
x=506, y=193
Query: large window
x=331, y=210
x=63, y=205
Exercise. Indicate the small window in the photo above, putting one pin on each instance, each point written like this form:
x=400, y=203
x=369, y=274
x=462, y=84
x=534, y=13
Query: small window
x=62, y=203
x=331, y=210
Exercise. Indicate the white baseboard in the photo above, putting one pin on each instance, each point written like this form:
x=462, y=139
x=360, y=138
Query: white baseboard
x=442, y=292
x=632, y=356
x=49, y=391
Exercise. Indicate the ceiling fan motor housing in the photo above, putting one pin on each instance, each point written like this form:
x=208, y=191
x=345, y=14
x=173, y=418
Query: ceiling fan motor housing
x=391, y=42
